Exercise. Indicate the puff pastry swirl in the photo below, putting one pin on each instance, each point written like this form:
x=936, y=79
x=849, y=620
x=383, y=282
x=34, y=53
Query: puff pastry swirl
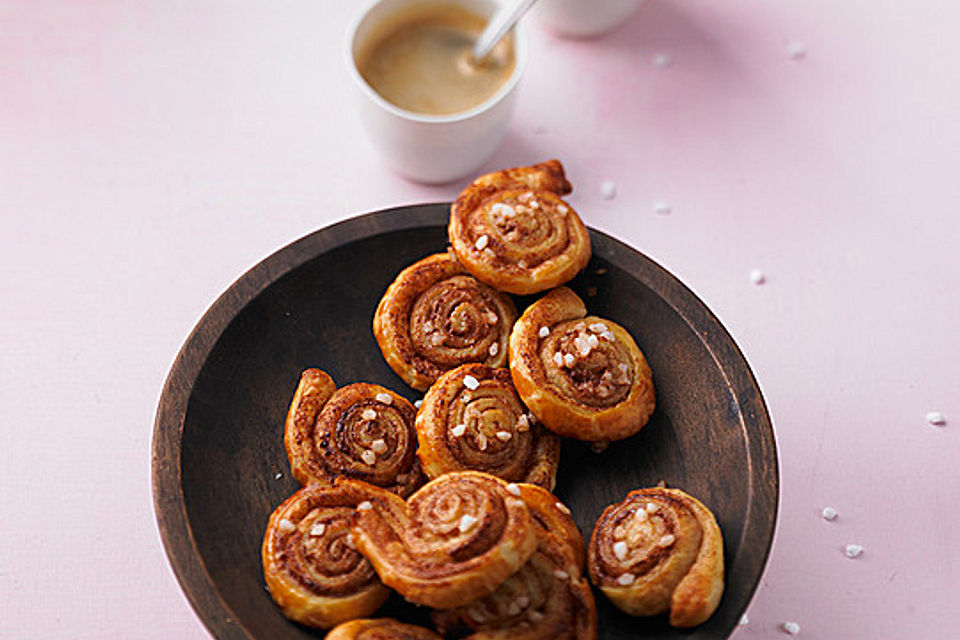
x=548, y=597
x=435, y=316
x=455, y=540
x=512, y=230
x=361, y=431
x=311, y=568
x=380, y=629
x=582, y=376
x=472, y=418
x=659, y=550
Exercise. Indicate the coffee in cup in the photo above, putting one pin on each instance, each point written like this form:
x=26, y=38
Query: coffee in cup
x=420, y=60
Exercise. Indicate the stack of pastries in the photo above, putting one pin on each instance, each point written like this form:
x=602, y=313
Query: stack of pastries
x=449, y=504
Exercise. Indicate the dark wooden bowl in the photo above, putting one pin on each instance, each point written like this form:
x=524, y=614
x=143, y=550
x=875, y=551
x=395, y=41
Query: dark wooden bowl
x=217, y=444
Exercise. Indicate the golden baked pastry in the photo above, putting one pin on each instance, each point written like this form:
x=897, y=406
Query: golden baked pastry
x=659, y=550
x=361, y=431
x=455, y=540
x=582, y=376
x=380, y=629
x=311, y=568
x=548, y=597
x=512, y=230
x=436, y=316
x=472, y=418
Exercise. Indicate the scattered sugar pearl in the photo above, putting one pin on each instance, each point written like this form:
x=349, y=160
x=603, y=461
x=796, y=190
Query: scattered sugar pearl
x=663, y=60
x=561, y=574
x=558, y=359
x=744, y=620
x=757, y=277
x=568, y=359
x=544, y=332
x=791, y=628
x=592, y=341
x=513, y=489
x=504, y=436
x=458, y=430
x=641, y=515
x=385, y=398
x=562, y=208
x=418, y=403
x=318, y=529
x=523, y=601
x=481, y=442
x=502, y=209
x=829, y=513
x=278, y=475
x=620, y=550
x=436, y=339
x=608, y=336
x=523, y=423
x=535, y=616
x=513, y=609
x=597, y=327
x=366, y=505
x=936, y=418
x=534, y=204
x=494, y=349
x=796, y=50
x=626, y=579
x=489, y=253
x=652, y=508
x=369, y=414
x=491, y=317
x=562, y=508
x=522, y=263
x=379, y=446
x=853, y=550
x=368, y=457
x=666, y=540
x=286, y=526
x=467, y=522
x=608, y=190
x=482, y=242
x=662, y=208
x=470, y=382
x=348, y=539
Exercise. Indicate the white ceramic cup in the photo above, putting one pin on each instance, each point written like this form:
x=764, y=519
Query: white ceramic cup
x=429, y=148
x=583, y=18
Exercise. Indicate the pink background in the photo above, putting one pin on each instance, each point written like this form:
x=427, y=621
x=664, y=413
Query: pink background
x=151, y=151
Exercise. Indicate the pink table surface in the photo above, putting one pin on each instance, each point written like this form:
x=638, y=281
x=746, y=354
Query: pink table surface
x=152, y=151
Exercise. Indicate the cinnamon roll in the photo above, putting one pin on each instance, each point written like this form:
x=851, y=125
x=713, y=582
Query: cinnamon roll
x=582, y=376
x=549, y=596
x=436, y=316
x=380, y=629
x=659, y=550
x=512, y=230
x=455, y=540
x=311, y=568
x=472, y=418
x=361, y=431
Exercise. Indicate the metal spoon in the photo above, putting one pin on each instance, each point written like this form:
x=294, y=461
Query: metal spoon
x=499, y=26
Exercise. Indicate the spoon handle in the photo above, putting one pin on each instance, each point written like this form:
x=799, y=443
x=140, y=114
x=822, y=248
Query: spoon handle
x=498, y=27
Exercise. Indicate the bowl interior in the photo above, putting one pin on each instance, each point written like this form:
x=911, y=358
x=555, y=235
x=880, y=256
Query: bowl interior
x=312, y=304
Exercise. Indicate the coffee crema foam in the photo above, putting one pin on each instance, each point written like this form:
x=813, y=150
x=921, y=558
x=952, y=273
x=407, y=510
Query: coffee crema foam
x=420, y=60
